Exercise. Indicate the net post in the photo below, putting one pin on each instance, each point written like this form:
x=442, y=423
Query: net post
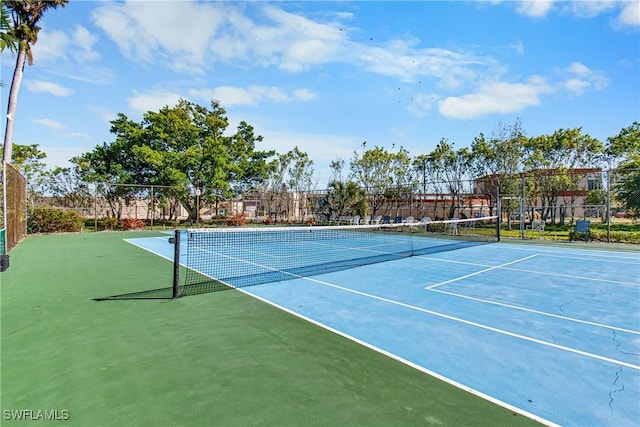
x=499, y=208
x=176, y=265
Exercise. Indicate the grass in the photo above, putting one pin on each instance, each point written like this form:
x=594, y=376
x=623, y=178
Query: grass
x=627, y=232
x=219, y=359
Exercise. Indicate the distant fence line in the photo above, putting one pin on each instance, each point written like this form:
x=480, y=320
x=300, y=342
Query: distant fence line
x=555, y=196
x=562, y=197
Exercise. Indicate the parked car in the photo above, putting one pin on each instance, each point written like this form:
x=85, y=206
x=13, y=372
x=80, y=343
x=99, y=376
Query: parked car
x=624, y=214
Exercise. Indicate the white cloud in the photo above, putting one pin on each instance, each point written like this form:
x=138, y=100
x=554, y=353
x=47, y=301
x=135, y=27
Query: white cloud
x=177, y=33
x=54, y=124
x=51, y=45
x=579, y=78
x=253, y=95
x=322, y=148
x=270, y=37
x=55, y=45
x=80, y=135
x=518, y=47
x=590, y=9
x=39, y=86
x=628, y=11
x=303, y=42
x=399, y=58
x=422, y=103
x=495, y=98
x=88, y=74
x=630, y=15
x=83, y=42
x=305, y=94
x=152, y=101
x=103, y=114
x=534, y=9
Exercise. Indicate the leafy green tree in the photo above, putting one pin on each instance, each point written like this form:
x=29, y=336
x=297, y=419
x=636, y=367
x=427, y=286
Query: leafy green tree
x=24, y=30
x=624, y=150
x=300, y=175
x=117, y=166
x=421, y=173
x=372, y=172
x=426, y=172
x=290, y=180
x=496, y=161
x=69, y=189
x=249, y=167
x=628, y=190
x=107, y=167
x=27, y=159
x=552, y=160
x=181, y=149
x=7, y=37
x=402, y=177
x=337, y=169
x=188, y=149
x=451, y=166
x=277, y=190
x=7, y=40
x=343, y=198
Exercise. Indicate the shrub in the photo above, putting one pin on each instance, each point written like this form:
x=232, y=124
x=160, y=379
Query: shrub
x=236, y=220
x=109, y=223
x=615, y=236
x=132, y=224
x=43, y=219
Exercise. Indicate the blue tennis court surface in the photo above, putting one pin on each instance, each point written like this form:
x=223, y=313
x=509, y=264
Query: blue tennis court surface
x=550, y=332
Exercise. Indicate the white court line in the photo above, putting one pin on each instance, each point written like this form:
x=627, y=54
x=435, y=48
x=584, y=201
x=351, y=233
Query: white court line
x=516, y=307
x=405, y=361
x=457, y=319
x=543, y=313
x=581, y=255
x=479, y=325
x=130, y=241
x=568, y=276
x=479, y=272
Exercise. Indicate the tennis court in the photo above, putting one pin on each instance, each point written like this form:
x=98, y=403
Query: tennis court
x=549, y=332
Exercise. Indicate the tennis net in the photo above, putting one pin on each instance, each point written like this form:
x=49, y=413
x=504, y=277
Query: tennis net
x=223, y=258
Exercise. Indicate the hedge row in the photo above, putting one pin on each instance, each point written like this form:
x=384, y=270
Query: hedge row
x=44, y=219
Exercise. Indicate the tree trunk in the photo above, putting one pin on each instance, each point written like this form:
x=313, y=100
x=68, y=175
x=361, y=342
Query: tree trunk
x=13, y=104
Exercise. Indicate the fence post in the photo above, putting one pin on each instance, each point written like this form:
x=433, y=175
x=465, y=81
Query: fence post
x=95, y=208
x=499, y=208
x=5, y=242
x=608, y=205
x=153, y=211
x=522, y=200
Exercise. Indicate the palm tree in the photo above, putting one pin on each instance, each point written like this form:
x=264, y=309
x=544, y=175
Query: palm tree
x=7, y=40
x=25, y=14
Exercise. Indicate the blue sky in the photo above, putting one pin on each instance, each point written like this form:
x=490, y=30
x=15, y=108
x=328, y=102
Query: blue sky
x=326, y=76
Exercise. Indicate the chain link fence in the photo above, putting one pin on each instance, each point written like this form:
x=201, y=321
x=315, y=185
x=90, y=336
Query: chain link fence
x=548, y=202
x=105, y=206
x=14, y=209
